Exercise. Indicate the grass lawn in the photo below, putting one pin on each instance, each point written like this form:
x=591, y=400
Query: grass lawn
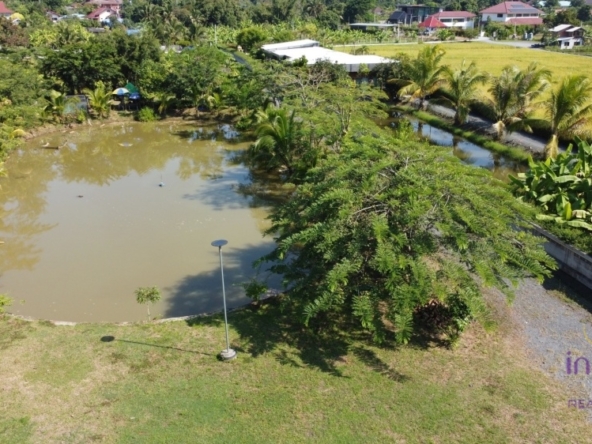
x=162, y=383
x=492, y=58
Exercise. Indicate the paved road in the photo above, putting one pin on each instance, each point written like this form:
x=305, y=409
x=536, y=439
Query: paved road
x=530, y=142
x=514, y=43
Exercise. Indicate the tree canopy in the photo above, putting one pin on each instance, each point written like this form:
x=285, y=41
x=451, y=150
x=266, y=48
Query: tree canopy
x=386, y=226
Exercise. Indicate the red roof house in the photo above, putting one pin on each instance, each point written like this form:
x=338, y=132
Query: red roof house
x=432, y=23
x=513, y=13
x=4, y=11
x=456, y=19
x=101, y=14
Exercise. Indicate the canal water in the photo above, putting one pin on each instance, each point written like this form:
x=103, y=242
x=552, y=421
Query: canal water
x=117, y=208
x=466, y=151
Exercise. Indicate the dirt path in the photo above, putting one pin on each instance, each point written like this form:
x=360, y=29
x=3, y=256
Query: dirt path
x=554, y=322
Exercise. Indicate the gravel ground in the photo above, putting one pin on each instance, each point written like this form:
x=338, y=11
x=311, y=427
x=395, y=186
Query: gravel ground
x=554, y=319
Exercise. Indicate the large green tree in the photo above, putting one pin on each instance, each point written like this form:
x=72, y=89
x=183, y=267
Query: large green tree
x=81, y=65
x=386, y=227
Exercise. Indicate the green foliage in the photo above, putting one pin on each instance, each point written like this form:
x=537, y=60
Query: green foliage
x=561, y=187
x=422, y=76
x=99, y=100
x=385, y=226
x=254, y=289
x=251, y=38
x=513, y=98
x=568, y=111
x=148, y=296
x=445, y=34
x=12, y=35
x=57, y=106
x=279, y=140
x=146, y=114
x=5, y=301
x=461, y=89
x=470, y=33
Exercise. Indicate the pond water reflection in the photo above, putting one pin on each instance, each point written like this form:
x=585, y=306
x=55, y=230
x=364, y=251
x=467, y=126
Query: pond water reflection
x=119, y=207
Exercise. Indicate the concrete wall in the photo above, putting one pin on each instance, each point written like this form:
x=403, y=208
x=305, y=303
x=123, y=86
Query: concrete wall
x=570, y=260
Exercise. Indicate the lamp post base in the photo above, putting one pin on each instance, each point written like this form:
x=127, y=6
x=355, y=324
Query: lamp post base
x=227, y=354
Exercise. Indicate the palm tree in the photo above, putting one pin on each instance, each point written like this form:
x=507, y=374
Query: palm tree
x=423, y=76
x=99, y=99
x=56, y=106
x=567, y=112
x=513, y=95
x=461, y=89
x=164, y=100
x=278, y=143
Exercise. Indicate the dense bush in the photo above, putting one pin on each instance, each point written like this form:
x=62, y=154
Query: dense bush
x=146, y=115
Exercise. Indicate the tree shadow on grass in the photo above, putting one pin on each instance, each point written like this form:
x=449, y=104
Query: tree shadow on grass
x=267, y=329
x=376, y=364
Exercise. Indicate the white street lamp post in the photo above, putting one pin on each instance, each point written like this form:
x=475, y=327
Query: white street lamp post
x=229, y=353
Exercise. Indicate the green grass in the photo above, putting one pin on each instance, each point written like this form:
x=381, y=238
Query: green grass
x=162, y=382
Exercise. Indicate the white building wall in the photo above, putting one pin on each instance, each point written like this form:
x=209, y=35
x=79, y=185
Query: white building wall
x=466, y=24
x=494, y=17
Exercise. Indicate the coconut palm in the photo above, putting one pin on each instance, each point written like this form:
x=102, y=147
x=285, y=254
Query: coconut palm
x=567, y=111
x=164, y=100
x=513, y=95
x=99, y=99
x=461, y=89
x=278, y=143
x=423, y=76
x=56, y=106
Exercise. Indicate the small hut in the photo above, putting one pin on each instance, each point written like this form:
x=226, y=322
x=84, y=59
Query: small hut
x=431, y=23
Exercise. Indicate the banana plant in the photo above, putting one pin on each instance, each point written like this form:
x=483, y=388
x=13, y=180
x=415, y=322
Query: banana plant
x=560, y=187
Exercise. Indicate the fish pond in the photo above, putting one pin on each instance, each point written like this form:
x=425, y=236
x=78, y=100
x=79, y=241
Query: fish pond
x=89, y=216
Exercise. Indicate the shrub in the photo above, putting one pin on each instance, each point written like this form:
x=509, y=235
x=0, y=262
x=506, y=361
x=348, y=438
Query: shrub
x=147, y=295
x=251, y=38
x=146, y=115
x=5, y=301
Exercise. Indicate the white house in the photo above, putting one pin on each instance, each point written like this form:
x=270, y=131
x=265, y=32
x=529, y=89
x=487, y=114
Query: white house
x=456, y=19
x=568, y=36
x=513, y=13
x=102, y=14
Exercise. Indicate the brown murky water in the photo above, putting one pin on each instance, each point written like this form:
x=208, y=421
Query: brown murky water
x=83, y=226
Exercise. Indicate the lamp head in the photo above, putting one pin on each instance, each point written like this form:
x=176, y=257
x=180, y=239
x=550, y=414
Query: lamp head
x=219, y=243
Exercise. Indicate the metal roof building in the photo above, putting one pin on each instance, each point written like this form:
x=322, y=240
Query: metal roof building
x=313, y=52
